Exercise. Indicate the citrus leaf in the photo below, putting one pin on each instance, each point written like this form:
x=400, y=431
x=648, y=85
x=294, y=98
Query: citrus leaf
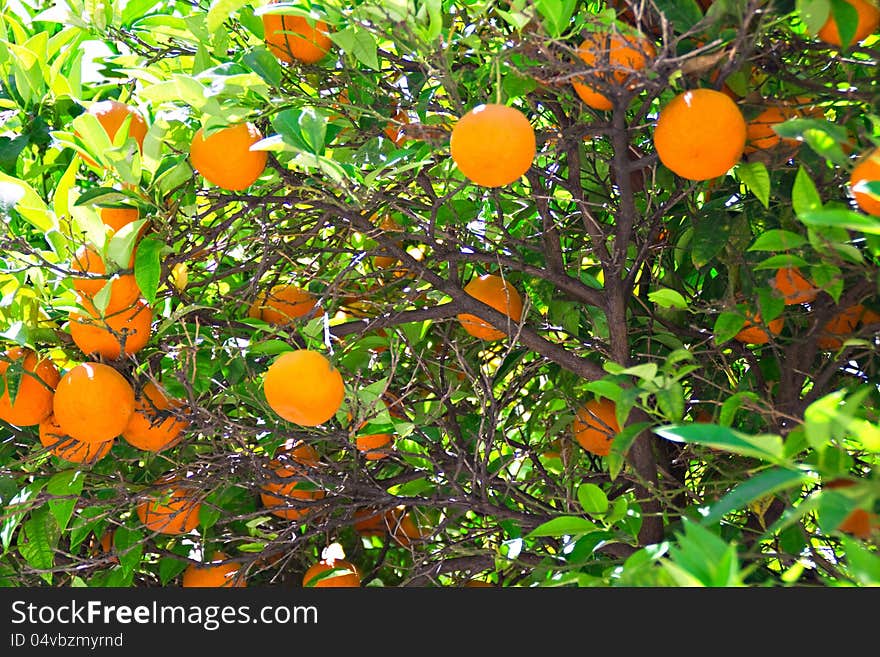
x=563, y=526
x=804, y=195
x=756, y=178
x=778, y=240
x=767, y=447
x=727, y=325
x=666, y=298
x=840, y=218
x=758, y=486
x=148, y=267
x=593, y=499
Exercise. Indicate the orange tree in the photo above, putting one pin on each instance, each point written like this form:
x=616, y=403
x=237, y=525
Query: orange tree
x=600, y=279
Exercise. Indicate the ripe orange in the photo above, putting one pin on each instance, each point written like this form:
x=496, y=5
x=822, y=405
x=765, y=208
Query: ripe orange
x=124, y=290
x=282, y=304
x=293, y=38
x=793, y=287
x=225, y=158
x=303, y=387
x=105, y=336
x=93, y=403
x=111, y=114
x=36, y=388
x=760, y=134
x=217, y=573
x=67, y=449
x=869, y=21
x=700, y=134
x=498, y=293
x=614, y=57
x=376, y=446
x=151, y=427
x=867, y=170
x=369, y=522
x=117, y=218
x=493, y=145
x=842, y=324
x=753, y=333
x=276, y=496
x=595, y=426
x=173, y=509
x=402, y=526
x=347, y=575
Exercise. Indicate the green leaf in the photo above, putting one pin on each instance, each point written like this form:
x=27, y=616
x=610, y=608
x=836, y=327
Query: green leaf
x=778, y=240
x=862, y=562
x=38, y=540
x=671, y=401
x=804, y=195
x=563, y=526
x=847, y=19
x=732, y=404
x=221, y=10
x=11, y=516
x=666, y=298
x=262, y=62
x=755, y=487
x=557, y=15
x=779, y=261
x=840, y=218
x=814, y=13
x=17, y=195
x=67, y=483
x=359, y=42
x=129, y=544
x=169, y=568
x=766, y=447
x=148, y=266
x=593, y=499
x=756, y=178
x=710, y=237
x=681, y=14
x=727, y=325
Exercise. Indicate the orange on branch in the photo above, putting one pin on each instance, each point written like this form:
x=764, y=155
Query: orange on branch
x=225, y=157
x=700, y=134
x=68, y=449
x=36, y=388
x=493, y=145
x=753, y=333
x=760, y=134
x=346, y=577
x=868, y=22
x=118, y=218
x=284, y=303
x=217, y=573
x=152, y=427
x=280, y=497
x=303, y=387
x=370, y=522
x=296, y=38
x=867, y=171
x=111, y=114
x=93, y=403
x=793, y=287
x=614, y=58
x=173, y=509
x=498, y=293
x=402, y=526
x=595, y=426
x=105, y=336
x=839, y=326
x=124, y=290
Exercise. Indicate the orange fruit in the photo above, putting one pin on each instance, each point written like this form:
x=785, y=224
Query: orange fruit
x=869, y=21
x=375, y=446
x=124, y=290
x=151, y=427
x=402, y=526
x=595, y=426
x=111, y=114
x=67, y=449
x=613, y=57
x=369, y=522
x=867, y=170
x=117, y=218
x=842, y=324
x=493, y=145
x=500, y=295
x=93, y=403
x=105, y=336
x=700, y=134
x=173, y=509
x=753, y=333
x=303, y=387
x=294, y=38
x=282, y=304
x=860, y=523
x=36, y=388
x=387, y=225
x=793, y=287
x=760, y=134
x=225, y=157
x=347, y=575
x=218, y=573
x=276, y=496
